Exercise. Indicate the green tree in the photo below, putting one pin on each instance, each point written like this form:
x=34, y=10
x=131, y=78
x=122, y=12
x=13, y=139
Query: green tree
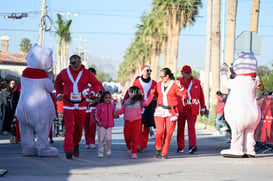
x=25, y=45
x=100, y=75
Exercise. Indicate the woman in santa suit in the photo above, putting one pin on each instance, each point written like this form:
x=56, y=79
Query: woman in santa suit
x=166, y=111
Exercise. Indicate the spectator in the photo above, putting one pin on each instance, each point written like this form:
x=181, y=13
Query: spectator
x=221, y=100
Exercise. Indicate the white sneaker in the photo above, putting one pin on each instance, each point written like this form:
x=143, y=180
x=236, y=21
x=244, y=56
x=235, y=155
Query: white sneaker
x=223, y=129
x=108, y=152
x=100, y=155
x=134, y=156
x=217, y=133
x=87, y=147
x=93, y=146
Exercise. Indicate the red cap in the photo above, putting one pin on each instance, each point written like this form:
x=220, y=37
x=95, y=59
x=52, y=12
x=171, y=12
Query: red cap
x=186, y=69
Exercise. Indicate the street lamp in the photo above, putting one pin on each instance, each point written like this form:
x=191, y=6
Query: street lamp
x=16, y=16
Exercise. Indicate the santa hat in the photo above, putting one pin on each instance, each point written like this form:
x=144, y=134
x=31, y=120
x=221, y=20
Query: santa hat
x=186, y=69
x=144, y=68
x=246, y=63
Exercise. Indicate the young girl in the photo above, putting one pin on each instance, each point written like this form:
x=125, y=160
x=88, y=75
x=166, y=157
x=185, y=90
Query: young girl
x=132, y=108
x=105, y=120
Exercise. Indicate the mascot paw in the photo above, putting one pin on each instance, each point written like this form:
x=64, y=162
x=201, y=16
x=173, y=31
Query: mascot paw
x=224, y=68
x=250, y=154
x=48, y=152
x=231, y=154
x=29, y=152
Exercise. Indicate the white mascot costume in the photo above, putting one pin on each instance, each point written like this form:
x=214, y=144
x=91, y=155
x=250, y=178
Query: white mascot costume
x=242, y=112
x=35, y=110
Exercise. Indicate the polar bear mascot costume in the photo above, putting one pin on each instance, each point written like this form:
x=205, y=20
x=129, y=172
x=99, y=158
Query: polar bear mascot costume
x=241, y=111
x=35, y=110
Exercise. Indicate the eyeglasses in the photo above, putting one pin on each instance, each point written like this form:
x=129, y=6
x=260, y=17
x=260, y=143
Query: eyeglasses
x=163, y=76
x=75, y=63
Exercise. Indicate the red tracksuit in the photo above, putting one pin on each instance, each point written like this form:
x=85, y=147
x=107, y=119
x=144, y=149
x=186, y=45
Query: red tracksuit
x=166, y=114
x=145, y=89
x=132, y=122
x=189, y=111
x=74, y=86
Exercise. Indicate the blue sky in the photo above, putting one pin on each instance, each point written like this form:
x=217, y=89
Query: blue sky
x=107, y=27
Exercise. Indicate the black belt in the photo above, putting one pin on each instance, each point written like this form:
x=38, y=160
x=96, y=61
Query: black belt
x=74, y=102
x=166, y=107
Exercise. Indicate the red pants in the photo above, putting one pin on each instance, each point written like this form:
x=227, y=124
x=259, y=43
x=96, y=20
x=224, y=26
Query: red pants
x=73, y=123
x=18, y=136
x=191, y=119
x=144, y=136
x=90, y=128
x=164, y=132
x=131, y=134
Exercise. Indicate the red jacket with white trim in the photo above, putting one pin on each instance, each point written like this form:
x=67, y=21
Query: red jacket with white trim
x=195, y=96
x=78, y=84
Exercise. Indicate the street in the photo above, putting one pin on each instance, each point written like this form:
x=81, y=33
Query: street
x=205, y=164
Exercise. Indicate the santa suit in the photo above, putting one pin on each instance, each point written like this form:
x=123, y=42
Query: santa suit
x=145, y=88
x=166, y=114
x=90, y=123
x=74, y=86
x=189, y=110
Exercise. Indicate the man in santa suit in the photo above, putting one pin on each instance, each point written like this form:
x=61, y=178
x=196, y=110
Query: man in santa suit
x=146, y=84
x=72, y=87
x=189, y=109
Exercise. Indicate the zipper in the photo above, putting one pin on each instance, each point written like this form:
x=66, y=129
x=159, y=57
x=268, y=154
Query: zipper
x=107, y=116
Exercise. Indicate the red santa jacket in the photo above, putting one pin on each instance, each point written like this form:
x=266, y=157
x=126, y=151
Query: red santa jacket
x=145, y=87
x=195, y=96
x=167, y=100
x=69, y=82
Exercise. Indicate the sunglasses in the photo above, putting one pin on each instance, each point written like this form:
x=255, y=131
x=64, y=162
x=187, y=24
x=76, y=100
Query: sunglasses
x=149, y=70
x=75, y=63
x=163, y=76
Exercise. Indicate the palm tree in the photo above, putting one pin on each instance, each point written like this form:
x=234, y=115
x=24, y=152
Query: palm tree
x=255, y=16
x=25, y=45
x=63, y=33
x=60, y=33
x=215, y=53
x=231, y=30
x=208, y=54
x=177, y=14
x=67, y=39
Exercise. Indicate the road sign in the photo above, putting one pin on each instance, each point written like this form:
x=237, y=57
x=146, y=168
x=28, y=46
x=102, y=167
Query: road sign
x=248, y=41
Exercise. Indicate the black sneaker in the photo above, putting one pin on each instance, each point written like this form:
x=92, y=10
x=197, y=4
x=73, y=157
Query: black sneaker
x=76, y=152
x=157, y=153
x=69, y=154
x=193, y=149
x=180, y=150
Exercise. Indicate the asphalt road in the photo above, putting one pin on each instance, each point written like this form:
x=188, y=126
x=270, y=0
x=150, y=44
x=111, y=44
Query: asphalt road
x=205, y=164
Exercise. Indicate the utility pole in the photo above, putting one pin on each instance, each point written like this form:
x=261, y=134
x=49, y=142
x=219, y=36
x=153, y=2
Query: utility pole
x=42, y=23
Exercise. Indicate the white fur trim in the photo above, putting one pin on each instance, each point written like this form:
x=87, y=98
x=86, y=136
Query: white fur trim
x=146, y=68
x=85, y=92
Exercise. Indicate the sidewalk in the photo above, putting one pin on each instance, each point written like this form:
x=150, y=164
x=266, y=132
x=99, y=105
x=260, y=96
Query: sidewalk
x=205, y=164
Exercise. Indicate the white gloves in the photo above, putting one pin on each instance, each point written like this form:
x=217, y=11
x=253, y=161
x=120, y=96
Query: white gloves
x=224, y=69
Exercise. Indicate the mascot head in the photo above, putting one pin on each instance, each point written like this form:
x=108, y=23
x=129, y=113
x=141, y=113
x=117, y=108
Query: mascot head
x=246, y=63
x=40, y=57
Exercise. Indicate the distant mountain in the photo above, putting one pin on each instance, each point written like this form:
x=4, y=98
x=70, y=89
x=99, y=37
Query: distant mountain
x=106, y=65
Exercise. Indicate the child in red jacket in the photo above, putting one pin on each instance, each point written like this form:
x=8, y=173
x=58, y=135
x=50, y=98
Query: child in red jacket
x=105, y=120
